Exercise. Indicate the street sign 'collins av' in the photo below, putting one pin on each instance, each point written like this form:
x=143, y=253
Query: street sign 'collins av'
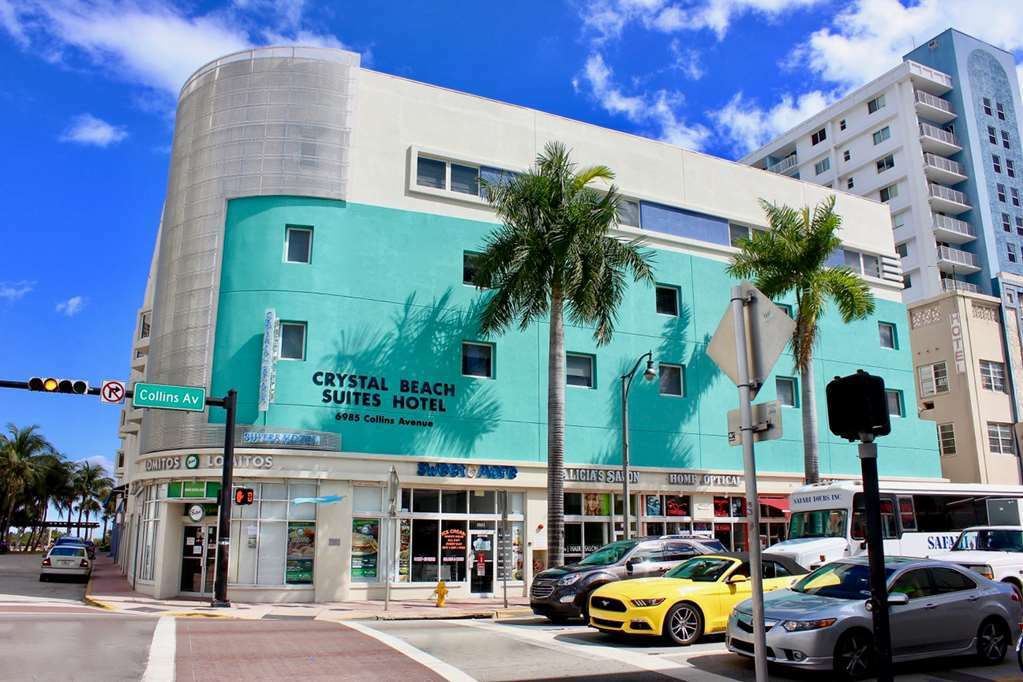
x=857, y=405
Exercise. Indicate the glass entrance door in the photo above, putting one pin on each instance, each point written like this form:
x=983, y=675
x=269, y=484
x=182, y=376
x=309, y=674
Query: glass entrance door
x=481, y=547
x=198, y=559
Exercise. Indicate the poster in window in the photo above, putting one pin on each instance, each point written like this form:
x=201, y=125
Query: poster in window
x=677, y=505
x=405, y=535
x=596, y=504
x=721, y=508
x=365, y=547
x=452, y=550
x=653, y=505
x=301, y=548
x=738, y=506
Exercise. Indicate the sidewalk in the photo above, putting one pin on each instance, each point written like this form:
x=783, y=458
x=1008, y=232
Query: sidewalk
x=109, y=589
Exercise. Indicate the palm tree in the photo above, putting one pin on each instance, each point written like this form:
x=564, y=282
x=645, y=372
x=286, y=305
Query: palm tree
x=89, y=479
x=792, y=256
x=51, y=484
x=555, y=252
x=21, y=452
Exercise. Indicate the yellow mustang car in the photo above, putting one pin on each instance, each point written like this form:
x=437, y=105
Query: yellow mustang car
x=693, y=599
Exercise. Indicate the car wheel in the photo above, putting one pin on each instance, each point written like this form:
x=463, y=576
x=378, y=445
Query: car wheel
x=992, y=641
x=684, y=624
x=855, y=655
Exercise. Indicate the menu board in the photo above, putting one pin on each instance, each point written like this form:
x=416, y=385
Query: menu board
x=301, y=548
x=365, y=547
x=509, y=544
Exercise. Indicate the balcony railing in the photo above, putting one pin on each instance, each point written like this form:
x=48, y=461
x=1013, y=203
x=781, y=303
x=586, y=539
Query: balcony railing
x=927, y=130
x=932, y=100
x=785, y=165
x=948, y=194
x=962, y=227
x=928, y=72
x=958, y=285
x=957, y=256
x=944, y=164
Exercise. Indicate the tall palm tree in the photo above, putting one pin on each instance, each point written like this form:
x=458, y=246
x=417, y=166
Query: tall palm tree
x=792, y=257
x=89, y=479
x=21, y=452
x=53, y=481
x=555, y=253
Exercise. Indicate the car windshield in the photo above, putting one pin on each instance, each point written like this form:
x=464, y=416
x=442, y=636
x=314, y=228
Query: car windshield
x=842, y=581
x=990, y=540
x=70, y=541
x=67, y=551
x=701, y=569
x=609, y=554
x=712, y=544
x=820, y=523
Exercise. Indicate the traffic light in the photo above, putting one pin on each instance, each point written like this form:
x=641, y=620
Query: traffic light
x=52, y=385
x=243, y=496
x=858, y=405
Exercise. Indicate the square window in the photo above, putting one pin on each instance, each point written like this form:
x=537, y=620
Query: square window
x=947, y=438
x=667, y=300
x=871, y=265
x=465, y=179
x=875, y=104
x=821, y=166
x=1000, y=440
x=628, y=212
x=933, y=379
x=298, y=244
x=987, y=105
x=996, y=163
x=886, y=330
x=293, y=340
x=991, y=135
x=894, y=400
x=992, y=376
x=882, y=135
x=469, y=267
x=819, y=136
x=431, y=173
x=902, y=249
x=885, y=163
x=786, y=390
x=477, y=360
x=670, y=379
x=846, y=155
x=1000, y=110
x=579, y=370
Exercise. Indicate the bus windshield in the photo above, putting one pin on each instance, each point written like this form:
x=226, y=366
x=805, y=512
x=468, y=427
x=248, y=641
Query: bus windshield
x=990, y=540
x=820, y=523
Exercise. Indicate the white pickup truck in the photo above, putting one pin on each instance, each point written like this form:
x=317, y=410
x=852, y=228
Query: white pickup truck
x=995, y=552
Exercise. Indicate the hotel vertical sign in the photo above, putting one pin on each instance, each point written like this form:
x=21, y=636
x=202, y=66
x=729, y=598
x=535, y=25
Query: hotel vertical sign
x=268, y=363
x=958, y=349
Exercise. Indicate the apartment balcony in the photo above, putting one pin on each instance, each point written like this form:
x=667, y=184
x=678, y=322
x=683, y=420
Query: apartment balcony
x=957, y=261
x=929, y=80
x=949, y=284
x=952, y=230
x=937, y=141
x=946, y=171
x=947, y=200
x=785, y=166
x=933, y=108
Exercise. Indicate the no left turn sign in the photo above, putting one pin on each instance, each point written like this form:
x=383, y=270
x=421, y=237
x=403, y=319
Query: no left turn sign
x=112, y=391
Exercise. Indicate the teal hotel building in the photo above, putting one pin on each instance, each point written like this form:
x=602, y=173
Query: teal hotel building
x=315, y=253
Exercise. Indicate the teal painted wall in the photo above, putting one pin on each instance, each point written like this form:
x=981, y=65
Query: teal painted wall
x=383, y=296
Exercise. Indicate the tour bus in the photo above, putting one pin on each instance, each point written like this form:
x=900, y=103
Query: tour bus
x=918, y=519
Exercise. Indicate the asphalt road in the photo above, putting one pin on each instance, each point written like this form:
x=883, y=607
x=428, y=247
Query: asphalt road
x=19, y=581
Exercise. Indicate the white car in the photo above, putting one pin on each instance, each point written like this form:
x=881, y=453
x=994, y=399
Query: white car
x=68, y=561
x=995, y=552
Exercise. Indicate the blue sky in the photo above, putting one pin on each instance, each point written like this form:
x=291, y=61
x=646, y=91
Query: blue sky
x=89, y=88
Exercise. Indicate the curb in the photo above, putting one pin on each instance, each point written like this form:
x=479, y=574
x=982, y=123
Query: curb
x=88, y=599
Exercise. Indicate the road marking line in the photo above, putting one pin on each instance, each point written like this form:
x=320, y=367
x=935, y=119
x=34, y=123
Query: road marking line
x=445, y=670
x=160, y=667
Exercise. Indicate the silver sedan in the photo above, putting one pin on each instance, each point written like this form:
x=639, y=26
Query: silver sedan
x=66, y=561
x=936, y=609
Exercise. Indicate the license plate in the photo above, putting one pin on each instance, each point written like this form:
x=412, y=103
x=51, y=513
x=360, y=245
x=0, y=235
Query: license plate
x=64, y=563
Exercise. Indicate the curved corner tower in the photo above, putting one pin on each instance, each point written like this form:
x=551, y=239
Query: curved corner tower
x=260, y=122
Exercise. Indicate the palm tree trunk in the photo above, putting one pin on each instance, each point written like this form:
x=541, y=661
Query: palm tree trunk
x=556, y=433
x=69, y=505
x=79, y=529
x=808, y=396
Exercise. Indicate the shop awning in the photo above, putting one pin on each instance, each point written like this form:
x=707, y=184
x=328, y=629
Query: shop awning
x=779, y=502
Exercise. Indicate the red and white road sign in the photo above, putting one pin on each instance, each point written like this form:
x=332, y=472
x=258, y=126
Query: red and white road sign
x=112, y=391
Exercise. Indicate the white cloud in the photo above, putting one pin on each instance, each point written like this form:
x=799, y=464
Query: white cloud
x=88, y=130
x=101, y=460
x=13, y=291
x=747, y=126
x=654, y=111
x=686, y=60
x=71, y=307
x=870, y=37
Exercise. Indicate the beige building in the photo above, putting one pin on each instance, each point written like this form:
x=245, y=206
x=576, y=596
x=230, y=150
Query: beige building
x=963, y=384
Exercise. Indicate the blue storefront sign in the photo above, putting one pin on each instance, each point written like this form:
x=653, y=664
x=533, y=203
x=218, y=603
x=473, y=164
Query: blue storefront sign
x=444, y=470
x=276, y=438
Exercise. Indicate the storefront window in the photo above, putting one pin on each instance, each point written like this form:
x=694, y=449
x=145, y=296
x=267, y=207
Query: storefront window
x=150, y=527
x=274, y=539
x=452, y=550
x=424, y=549
x=482, y=502
x=365, y=548
x=425, y=500
x=453, y=501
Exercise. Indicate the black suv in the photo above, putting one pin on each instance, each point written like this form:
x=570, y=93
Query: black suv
x=562, y=593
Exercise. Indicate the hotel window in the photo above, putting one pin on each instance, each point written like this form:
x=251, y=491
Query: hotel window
x=841, y=124
x=888, y=193
x=1006, y=224
x=907, y=281
x=882, y=135
x=819, y=136
x=470, y=267
x=785, y=387
x=1010, y=168
x=850, y=183
x=1005, y=139
x=886, y=331
x=875, y=104
x=465, y=179
x=885, y=163
x=902, y=249
x=991, y=135
x=477, y=360
x=1019, y=226
x=1010, y=251
x=671, y=379
x=579, y=370
x=1000, y=110
x=999, y=438
x=821, y=166
x=1001, y=192
x=894, y=400
x=431, y=173
x=293, y=340
x=846, y=155
x=933, y=379
x=987, y=105
x=996, y=163
x=992, y=376
x=947, y=438
x=1015, y=196
x=667, y=300
x=628, y=212
x=299, y=244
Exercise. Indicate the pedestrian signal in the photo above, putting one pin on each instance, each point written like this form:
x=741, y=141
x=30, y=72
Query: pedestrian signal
x=244, y=496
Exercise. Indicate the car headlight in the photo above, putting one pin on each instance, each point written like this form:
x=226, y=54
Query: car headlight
x=647, y=602
x=804, y=625
x=570, y=579
x=984, y=570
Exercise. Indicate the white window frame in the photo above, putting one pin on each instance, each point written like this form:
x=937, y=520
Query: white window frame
x=886, y=162
x=795, y=390
x=288, y=229
x=992, y=376
x=890, y=392
x=675, y=291
x=1000, y=439
x=931, y=380
x=305, y=333
x=881, y=135
x=818, y=136
x=875, y=105
x=461, y=356
x=447, y=193
x=822, y=166
x=895, y=335
x=593, y=371
x=681, y=379
x=945, y=439
x=891, y=190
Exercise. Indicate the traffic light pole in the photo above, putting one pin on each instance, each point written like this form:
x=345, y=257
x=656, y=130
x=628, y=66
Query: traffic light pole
x=224, y=517
x=875, y=555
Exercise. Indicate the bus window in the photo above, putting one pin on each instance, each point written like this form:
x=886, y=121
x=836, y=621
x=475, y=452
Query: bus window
x=821, y=523
x=889, y=522
x=907, y=515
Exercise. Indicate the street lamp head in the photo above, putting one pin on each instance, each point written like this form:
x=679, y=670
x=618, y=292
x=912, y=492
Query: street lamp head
x=649, y=374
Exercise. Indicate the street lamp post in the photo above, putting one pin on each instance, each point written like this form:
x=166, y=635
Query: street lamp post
x=649, y=375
